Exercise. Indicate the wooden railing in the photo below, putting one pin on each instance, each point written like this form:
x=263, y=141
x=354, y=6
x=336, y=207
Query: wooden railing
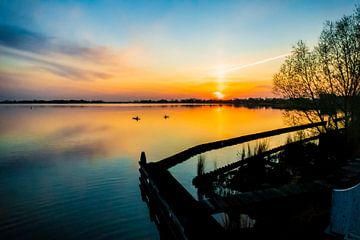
x=209, y=175
x=188, y=153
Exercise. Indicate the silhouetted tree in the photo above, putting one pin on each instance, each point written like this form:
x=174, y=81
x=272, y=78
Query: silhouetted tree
x=328, y=75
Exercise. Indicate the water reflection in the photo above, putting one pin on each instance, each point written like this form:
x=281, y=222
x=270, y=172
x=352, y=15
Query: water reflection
x=63, y=127
x=75, y=168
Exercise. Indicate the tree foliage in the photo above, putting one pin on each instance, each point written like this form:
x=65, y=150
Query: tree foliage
x=328, y=74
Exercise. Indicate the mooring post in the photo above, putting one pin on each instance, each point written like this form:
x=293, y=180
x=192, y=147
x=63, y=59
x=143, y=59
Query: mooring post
x=142, y=158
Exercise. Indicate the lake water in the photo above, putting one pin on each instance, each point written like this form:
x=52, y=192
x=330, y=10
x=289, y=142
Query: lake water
x=71, y=171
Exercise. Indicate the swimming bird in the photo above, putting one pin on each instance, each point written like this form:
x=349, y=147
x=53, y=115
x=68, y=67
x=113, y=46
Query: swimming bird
x=166, y=116
x=136, y=118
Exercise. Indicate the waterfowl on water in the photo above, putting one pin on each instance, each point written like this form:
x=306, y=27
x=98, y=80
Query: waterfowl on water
x=136, y=118
x=166, y=116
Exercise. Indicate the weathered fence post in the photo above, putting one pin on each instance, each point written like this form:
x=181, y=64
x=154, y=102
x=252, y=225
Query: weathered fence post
x=142, y=158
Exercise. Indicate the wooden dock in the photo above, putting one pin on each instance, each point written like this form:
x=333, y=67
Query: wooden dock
x=173, y=207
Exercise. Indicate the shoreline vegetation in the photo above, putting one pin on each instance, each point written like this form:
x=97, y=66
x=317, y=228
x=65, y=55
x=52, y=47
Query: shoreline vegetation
x=278, y=103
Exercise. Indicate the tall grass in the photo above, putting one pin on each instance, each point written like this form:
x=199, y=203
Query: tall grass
x=201, y=165
x=259, y=148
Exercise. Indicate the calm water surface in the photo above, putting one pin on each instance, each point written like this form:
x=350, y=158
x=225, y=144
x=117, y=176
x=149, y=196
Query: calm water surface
x=71, y=172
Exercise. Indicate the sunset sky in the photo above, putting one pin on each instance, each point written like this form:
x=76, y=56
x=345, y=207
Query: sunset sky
x=127, y=50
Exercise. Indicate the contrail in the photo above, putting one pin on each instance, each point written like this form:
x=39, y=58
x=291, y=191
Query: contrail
x=238, y=67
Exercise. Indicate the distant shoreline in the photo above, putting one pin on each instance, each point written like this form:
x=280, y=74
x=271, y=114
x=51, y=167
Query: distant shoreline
x=278, y=103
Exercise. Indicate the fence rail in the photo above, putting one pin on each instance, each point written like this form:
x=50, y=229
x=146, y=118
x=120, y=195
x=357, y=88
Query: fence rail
x=188, y=153
x=240, y=163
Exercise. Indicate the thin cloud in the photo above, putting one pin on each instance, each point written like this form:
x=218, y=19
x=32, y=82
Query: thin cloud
x=59, y=69
x=23, y=39
x=19, y=38
x=242, y=66
x=68, y=59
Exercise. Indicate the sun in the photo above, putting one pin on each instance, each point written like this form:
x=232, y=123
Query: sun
x=219, y=95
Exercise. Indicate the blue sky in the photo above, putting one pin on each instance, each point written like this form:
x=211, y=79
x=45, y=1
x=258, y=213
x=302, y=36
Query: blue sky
x=136, y=49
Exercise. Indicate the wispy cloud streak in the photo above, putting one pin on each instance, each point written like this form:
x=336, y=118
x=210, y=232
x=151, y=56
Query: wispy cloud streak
x=25, y=40
x=242, y=66
x=59, y=69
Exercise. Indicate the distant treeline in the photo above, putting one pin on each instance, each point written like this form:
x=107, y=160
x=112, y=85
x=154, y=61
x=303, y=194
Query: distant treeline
x=248, y=102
